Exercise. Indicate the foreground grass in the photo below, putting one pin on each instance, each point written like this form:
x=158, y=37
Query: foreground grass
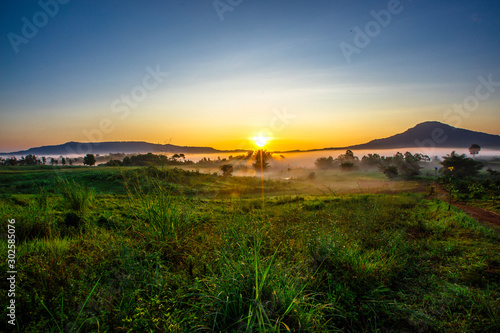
x=155, y=259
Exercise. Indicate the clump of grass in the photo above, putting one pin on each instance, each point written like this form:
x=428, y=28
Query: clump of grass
x=313, y=205
x=252, y=290
x=163, y=219
x=35, y=220
x=54, y=248
x=78, y=197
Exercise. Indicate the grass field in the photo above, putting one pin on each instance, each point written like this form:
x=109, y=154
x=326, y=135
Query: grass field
x=152, y=250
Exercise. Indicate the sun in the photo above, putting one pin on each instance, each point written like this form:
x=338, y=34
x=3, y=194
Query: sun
x=260, y=140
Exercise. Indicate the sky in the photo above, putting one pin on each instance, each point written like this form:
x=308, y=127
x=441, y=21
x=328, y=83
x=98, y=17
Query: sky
x=306, y=74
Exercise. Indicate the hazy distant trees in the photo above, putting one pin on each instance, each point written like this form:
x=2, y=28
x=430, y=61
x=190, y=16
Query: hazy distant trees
x=325, y=163
x=150, y=159
x=406, y=165
x=89, y=159
x=30, y=160
x=346, y=161
x=474, y=149
x=11, y=161
x=371, y=160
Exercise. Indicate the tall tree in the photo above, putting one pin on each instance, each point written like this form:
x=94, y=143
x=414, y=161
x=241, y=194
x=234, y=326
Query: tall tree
x=89, y=159
x=31, y=160
x=261, y=158
x=460, y=166
x=474, y=149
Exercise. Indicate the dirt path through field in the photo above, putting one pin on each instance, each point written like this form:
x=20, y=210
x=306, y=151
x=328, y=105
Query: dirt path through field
x=482, y=215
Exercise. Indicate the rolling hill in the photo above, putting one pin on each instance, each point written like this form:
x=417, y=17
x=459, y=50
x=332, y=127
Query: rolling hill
x=127, y=147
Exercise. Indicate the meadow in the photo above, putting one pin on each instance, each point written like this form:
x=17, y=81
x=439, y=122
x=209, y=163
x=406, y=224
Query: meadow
x=148, y=249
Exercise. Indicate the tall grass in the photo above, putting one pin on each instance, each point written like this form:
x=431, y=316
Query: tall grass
x=162, y=219
x=252, y=290
x=78, y=197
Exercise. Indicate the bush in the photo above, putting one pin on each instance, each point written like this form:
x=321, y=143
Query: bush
x=347, y=166
x=460, y=166
x=391, y=172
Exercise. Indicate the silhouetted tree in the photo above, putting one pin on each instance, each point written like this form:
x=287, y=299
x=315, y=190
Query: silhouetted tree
x=63, y=161
x=474, y=149
x=261, y=158
x=126, y=161
x=31, y=160
x=89, y=159
x=227, y=169
x=348, y=157
x=44, y=160
x=460, y=166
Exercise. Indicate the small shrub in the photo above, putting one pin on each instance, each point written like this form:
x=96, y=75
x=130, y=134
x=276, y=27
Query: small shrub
x=391, y=172
x=313, y=205
x=347, y=166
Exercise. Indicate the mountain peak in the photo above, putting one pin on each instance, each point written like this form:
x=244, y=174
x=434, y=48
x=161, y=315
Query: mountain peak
x=434, y=134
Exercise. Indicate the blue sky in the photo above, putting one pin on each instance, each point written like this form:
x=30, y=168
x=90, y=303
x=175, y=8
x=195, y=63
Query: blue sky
x=228, y=79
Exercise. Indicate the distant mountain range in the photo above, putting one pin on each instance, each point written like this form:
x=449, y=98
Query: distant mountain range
x=127, y=147
x=427, y=134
